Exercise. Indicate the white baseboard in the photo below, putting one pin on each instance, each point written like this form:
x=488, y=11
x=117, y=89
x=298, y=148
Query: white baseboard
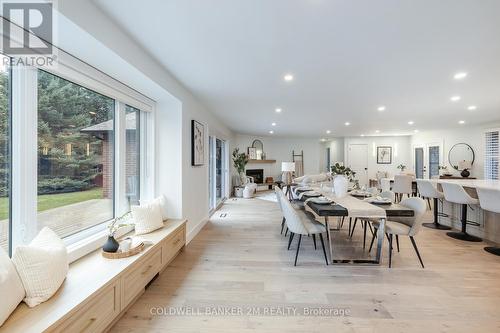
x=192, y=234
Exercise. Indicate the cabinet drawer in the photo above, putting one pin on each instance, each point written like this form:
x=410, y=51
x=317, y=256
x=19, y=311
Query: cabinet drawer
x=135, y=281
x=173, y=244
x=97, y=314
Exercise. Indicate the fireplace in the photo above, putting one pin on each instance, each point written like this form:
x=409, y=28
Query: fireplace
x=257, y=174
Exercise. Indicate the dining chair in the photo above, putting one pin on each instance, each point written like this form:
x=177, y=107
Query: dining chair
x=455, y=193
x=402, y=185
x=429, y=191
x=385, y=184
x=277, y=192
x=301, y=223
x=403, y=226
x=489, y=199
x=366, y=222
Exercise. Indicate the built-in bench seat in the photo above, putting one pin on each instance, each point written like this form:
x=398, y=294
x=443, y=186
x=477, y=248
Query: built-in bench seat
x=98, y=290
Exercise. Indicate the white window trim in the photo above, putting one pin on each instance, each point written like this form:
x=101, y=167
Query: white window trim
x=25, y=146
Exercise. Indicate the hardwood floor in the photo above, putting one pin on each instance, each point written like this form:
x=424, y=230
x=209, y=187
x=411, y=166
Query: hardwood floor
x=240, y=262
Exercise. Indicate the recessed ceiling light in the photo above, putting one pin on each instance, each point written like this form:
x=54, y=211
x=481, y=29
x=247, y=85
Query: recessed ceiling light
x=347, y=123
x=377, y=131
x=288, y=77
x=328, y=131
x=381, y=108
x=416, y=131
x=92, y=113
x=460, y=76
x=411, y=122
x=278, y=110
x=362, y=135
x=455, y=98
x=461, y=122
x=271, y=132
x=472, y=108
x=323, y=140
x=273, y=124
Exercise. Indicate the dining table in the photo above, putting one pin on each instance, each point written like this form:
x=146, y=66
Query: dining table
x=354, y=207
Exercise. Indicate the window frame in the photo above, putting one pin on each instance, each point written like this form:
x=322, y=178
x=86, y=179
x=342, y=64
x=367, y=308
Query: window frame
x=24, y=143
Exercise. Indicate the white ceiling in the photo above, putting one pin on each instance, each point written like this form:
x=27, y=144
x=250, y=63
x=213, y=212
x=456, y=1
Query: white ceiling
x=347, y=57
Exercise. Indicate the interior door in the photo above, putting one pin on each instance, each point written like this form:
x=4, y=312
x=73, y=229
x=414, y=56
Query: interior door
x=358, y=162
x=426, y=160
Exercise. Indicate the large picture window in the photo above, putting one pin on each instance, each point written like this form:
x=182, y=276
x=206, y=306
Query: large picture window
x=75, y=156
x=4, y=154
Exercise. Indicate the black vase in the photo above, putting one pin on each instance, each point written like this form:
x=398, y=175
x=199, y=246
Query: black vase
x=111, y=245
x=465, y=173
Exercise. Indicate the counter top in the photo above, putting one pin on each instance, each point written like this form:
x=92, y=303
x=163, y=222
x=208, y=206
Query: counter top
x=471, y=183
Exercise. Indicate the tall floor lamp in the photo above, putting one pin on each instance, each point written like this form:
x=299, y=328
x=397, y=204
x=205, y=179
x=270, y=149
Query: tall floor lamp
x=287, y=168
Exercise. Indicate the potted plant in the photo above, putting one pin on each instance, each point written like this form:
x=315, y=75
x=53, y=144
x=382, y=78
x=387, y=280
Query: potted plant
x=240, y=160
x=444, y=170
x=402, y=167
x=341, y=178
x=112, y=244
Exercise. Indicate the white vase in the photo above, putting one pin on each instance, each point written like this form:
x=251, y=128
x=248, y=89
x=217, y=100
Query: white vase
x=340, y=185
x=243, y=178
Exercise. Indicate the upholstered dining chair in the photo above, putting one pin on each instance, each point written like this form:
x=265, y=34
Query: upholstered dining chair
x=402, y=185
x=277, y=192
x=404, y=226
x=385, y=184
x=301, y=223
x=366, y=222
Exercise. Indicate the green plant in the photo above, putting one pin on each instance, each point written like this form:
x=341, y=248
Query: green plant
x=401, y=167
x=240, y=160
x=115, y=225
x=338, y=169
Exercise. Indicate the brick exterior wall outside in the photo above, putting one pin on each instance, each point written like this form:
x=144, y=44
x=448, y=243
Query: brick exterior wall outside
x=131, y=166
x=107, y=167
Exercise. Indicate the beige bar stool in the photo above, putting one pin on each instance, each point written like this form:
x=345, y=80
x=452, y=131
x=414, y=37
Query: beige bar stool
x=427, y=190
x=455, y=193
x=489, y=199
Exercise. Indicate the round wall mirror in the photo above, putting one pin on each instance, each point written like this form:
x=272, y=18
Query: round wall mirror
x=259, y=148
x=461, y=156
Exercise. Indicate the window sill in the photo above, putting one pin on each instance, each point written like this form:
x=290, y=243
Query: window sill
x=91, y=243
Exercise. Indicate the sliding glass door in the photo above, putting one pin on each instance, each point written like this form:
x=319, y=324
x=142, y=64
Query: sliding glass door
x=217, y=171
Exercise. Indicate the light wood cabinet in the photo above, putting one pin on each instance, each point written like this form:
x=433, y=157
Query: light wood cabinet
x=139, y=276
x=172, y=245
x=97, y=314
x=97, y=291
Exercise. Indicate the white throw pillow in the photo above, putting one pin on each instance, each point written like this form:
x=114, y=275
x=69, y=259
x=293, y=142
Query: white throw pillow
x=147, y=217
x=11, y=287
x=42, y=266
x=162, y=201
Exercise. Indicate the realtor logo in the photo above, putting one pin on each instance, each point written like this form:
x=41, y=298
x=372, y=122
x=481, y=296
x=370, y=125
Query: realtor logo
x=27, y=28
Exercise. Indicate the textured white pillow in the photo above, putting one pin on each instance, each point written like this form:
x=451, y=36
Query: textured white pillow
x=147, y=217
x=162, y=201
x=42, y=266
x=11, y=287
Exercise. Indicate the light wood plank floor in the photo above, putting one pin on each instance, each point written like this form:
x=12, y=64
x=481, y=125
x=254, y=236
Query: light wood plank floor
x=240, y=261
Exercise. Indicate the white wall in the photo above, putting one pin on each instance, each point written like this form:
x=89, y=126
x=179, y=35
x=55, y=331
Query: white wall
x=90, y=35
x=401, y=152
x=336, y=146
x=280, y=149
x=473, y=136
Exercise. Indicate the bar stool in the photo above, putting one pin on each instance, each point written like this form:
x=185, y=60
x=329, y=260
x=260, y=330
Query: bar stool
x=428, y=190
x=455, y=193
x=489, y=200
